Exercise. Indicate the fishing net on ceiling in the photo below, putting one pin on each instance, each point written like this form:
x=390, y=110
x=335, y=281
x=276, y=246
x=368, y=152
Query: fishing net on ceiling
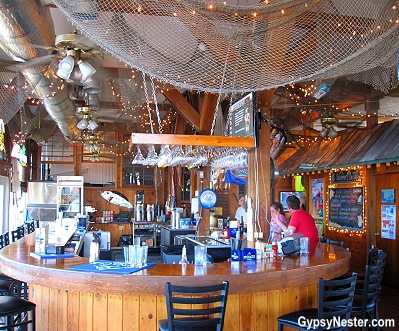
x=12, y=93
x=239, y=46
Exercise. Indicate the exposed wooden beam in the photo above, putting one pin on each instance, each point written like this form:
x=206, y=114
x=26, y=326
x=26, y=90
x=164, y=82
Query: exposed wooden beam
x=183, y=107
x=207, y=113
x=194, y=140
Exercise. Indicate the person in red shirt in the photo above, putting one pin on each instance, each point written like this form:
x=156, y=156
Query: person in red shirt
x=301, y=221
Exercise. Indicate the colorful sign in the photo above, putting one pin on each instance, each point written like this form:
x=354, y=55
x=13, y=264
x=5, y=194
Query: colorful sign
x=388, y=221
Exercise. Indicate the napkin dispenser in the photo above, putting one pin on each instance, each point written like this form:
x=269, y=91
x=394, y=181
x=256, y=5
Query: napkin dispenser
x=291, y=244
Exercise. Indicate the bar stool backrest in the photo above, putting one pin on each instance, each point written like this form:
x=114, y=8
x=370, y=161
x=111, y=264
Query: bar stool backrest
x=196, y=307
x=15, y=235
x=6, y=238
x=1, y=241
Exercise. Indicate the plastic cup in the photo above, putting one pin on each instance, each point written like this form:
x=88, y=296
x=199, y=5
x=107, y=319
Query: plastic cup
x=304, y=245
x=200, y=255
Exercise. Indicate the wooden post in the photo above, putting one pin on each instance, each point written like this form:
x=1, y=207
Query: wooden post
x=204, y=225
x=259, y=169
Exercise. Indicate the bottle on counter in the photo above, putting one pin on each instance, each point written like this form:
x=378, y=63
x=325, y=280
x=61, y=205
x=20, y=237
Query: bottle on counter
x=184, y=256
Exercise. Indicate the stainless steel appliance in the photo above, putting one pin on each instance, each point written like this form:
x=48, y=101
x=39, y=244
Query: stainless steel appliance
x=42, y=201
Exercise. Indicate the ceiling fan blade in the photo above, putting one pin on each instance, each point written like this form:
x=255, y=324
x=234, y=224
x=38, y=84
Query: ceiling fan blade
x=31, y=63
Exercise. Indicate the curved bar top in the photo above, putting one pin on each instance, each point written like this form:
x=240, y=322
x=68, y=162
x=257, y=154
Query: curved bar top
x=252, y=285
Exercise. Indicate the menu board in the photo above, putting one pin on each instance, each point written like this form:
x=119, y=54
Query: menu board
x=346, y=208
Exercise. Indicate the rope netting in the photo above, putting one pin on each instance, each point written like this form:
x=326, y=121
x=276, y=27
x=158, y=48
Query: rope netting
x=242, y=46
x=12, y=93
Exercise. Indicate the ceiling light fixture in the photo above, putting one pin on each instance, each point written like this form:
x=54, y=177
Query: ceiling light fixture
x=66, y=66
x=86, y=69
x=83, y=123
x=92, y=125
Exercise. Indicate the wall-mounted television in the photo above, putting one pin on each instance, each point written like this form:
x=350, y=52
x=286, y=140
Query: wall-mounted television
x=285, y=194
x=244, y=117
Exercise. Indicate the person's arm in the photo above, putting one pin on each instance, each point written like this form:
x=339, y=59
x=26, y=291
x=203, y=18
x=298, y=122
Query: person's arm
x=280, y=224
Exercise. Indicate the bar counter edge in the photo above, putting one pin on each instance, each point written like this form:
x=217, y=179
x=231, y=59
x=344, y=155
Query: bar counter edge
x=259, y=291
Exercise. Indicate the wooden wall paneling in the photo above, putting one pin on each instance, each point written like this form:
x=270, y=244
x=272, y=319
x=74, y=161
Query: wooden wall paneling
x=131, y=316
x=115, y=230
x=260, y=311
x=115, y=307
x=232, y=315
x=100, y=311
x=86, y=311
x=247, y=314
x=233, y=200
x=36, y=295
x=161, y=308
x=119, y=164
x=72, y=306
x=56, y=321
x=273, y=309
x=391, y=273
x=370, y=207
x=148, y=312
x=62, y=311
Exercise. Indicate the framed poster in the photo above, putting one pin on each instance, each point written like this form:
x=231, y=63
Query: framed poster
x=317, y=208
x=346, y=208
x=388, y=221
x=388, y=196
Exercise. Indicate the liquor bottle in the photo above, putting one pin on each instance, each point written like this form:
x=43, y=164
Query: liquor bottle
x=184, y=256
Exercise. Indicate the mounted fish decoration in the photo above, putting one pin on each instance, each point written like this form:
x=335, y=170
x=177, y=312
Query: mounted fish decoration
x=116, y=198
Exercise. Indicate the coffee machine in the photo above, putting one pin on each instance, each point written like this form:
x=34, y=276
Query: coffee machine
x=139, y=206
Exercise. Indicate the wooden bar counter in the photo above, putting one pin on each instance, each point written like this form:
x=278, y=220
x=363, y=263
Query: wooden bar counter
x=259, y=291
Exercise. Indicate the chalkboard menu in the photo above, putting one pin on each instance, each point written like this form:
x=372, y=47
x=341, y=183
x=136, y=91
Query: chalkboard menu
x=346, y=208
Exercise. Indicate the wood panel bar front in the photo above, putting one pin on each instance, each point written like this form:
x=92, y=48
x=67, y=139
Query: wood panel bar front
x=259, y=291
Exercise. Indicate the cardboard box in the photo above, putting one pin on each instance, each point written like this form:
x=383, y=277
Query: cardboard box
x=246, y=254
x=149, y=242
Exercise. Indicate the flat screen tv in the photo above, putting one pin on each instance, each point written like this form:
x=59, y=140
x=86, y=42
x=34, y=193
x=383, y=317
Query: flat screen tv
x=244, y=117
x=285, y=194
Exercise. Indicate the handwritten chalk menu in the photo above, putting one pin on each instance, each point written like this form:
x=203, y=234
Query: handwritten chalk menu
x=346, y=208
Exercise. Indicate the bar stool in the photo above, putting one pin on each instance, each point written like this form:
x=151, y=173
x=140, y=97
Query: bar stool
x=17, y=314
x=1, y=241
x=6, y=238
x=15, y=235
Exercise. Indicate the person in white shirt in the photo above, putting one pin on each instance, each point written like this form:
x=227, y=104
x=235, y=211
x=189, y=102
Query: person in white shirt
x=241, y=210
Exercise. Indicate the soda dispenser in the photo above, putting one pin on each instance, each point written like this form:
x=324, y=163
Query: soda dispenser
x=150, y=212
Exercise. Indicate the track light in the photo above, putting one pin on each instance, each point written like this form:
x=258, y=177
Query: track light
x=86, y=69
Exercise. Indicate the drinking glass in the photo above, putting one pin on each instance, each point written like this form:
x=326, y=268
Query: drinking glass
x=304, y=245
x=200, y=255
x=125, y=250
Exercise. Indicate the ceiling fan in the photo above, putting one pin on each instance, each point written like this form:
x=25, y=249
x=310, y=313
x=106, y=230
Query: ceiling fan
x=96, y=155
x=77, y=54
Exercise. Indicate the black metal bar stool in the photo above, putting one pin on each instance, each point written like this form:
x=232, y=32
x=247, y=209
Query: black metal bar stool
x=17, y=314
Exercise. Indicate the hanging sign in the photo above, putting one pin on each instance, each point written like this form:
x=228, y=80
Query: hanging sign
x=207, y=198
x=347, y=176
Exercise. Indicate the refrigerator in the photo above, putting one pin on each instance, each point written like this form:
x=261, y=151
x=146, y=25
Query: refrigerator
x=69, y=196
